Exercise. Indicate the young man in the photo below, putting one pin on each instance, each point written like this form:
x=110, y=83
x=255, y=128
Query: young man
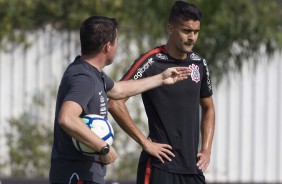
x=170, y=152
x=84, y=90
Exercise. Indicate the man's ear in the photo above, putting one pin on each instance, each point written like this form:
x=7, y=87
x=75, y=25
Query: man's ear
x=169, y=28
x=106, y=47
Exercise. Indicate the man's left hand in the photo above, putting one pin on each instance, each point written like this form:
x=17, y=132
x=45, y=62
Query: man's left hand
x=204, y=160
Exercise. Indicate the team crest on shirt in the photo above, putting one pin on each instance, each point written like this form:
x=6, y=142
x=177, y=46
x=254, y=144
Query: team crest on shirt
x=195, y=74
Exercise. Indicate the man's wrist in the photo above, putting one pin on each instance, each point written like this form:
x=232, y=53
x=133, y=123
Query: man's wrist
x=105, y=150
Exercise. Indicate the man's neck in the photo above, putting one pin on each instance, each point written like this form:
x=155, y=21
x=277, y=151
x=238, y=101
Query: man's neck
x=174, y=52
x=96, y=61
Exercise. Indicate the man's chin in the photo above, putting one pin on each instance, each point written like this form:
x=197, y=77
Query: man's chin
x=188, y=48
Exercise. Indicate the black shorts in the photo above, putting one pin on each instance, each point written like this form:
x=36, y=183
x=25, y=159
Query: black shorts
x=78, y=182
x=147, y=174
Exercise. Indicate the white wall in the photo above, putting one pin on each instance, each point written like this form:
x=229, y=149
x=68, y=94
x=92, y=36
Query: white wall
x=247, y=143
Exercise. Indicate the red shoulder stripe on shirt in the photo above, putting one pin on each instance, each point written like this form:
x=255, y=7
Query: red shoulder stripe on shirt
x=141, y=60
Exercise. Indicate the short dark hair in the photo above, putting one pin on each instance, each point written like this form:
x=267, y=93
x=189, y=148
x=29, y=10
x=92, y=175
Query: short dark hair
x=183, y=11
x=95, y=32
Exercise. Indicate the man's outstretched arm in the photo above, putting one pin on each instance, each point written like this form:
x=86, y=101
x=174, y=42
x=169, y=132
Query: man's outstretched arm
x=124, y=89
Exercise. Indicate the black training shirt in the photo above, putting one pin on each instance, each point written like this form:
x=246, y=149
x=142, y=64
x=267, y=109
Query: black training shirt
x=173, y=110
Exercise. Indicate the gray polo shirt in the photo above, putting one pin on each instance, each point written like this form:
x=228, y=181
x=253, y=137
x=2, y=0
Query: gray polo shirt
x=84, y=84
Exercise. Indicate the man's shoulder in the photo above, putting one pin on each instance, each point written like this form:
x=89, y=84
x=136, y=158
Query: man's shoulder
x=80, y=67
x=157, y=52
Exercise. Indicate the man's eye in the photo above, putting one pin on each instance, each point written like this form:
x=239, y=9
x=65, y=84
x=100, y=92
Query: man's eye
x=188, y=31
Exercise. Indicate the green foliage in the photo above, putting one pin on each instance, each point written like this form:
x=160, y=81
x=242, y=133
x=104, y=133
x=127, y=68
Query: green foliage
x=138, y=17
x=29, y=147
x=231, y=32
x=29, y=140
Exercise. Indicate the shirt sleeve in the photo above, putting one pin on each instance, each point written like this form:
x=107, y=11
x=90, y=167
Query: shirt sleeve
x=108, y=82
x=141, y=65
x=138, y=68
x=206, y=85
x=79, y=90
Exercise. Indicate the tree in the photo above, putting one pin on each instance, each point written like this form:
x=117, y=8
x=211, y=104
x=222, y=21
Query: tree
x=234, y=31
x=230, y=32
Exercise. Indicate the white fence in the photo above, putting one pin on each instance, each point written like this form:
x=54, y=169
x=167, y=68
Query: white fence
x=247, y=143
